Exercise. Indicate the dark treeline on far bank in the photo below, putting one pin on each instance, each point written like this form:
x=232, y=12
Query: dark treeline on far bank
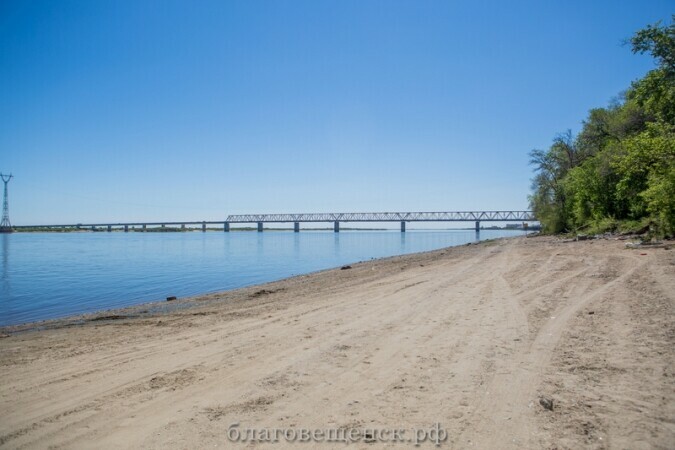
x=618, y=173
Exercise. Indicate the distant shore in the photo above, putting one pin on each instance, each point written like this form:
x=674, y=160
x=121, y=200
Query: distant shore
x=512, y=343
x=171, y=229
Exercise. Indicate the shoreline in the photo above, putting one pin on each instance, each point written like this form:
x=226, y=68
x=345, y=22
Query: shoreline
x=475, y=337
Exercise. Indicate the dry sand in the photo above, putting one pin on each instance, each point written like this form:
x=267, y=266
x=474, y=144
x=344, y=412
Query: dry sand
x=470, y=337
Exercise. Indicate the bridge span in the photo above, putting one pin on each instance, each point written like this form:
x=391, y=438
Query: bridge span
x=402, y=217
x=260, y=219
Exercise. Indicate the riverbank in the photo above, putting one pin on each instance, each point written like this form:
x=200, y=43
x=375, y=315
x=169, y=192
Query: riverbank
x=476, y=338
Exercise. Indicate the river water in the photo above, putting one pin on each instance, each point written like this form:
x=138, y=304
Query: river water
x=50, y=275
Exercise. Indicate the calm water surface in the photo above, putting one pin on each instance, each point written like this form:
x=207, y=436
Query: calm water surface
x=49, y=275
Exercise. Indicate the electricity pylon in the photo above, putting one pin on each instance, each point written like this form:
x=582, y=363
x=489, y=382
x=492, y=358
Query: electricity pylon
x=5, y=225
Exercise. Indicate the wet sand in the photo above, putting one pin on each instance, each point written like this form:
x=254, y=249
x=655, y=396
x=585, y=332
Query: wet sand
x=471, y=337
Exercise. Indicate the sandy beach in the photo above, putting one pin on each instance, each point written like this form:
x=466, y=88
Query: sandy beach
x=475, y=338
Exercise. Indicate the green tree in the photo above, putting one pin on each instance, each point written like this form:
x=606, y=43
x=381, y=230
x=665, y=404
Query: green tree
x=551, y=166
x=660, y=42
x=656, y=91
x=645, y=167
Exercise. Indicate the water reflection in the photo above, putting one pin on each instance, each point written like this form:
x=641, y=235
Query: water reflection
x=296, y=245
x=4, y=273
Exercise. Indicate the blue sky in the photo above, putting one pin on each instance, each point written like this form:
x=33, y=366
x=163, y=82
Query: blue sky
x=177, y=110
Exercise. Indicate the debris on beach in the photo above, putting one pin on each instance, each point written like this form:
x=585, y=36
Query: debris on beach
x=646, y=245
x=547, y=403
x=345, y=267
x=262, y=292
x=171, y=298
x=109, y=317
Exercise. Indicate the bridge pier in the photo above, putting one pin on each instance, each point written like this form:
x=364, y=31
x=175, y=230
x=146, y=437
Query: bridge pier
x=203, y=227
x=296, y=227
x=182, y=227
x=226, y=227
x=109, y=228
x=477, y=226
x=145, y=227
x=126, y=228
x=336, y=226
x=402, y=226
x=260, y=227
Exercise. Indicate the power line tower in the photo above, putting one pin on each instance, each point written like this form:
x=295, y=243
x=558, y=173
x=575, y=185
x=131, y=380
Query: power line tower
x=5, y=225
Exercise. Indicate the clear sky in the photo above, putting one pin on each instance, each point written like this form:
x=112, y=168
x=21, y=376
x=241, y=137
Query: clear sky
x=192, y=110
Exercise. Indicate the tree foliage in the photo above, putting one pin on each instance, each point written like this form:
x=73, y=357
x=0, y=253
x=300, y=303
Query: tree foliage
x=621, y=166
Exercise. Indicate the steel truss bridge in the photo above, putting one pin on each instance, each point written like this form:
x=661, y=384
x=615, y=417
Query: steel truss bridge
x=335, y=218
x=403, y=217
